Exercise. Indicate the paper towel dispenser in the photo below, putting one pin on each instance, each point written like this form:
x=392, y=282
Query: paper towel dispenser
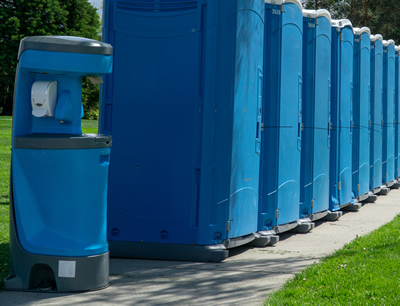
x=44, y=98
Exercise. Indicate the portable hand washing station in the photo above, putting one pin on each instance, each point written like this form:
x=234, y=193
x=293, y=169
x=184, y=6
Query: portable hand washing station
x=58, y=187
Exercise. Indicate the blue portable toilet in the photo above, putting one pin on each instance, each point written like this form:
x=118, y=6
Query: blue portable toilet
x=282, y=119
x=397, y=116
x=314, y=177
x=342, y=115
x=58, y=186
x=388, y=102
x=183, y=106
x=376, y=127
x=361, y=115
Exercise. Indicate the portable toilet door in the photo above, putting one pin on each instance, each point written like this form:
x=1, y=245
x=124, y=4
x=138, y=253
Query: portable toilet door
x=282, y=118
x=314, y=177
x=397, y=114
x=376, y=186
x=342, y=115
x=388, y=113
x=361, y=115
x=183, y=105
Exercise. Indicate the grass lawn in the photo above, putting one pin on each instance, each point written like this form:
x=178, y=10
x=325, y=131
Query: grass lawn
x=364, y=272
x=88, y=126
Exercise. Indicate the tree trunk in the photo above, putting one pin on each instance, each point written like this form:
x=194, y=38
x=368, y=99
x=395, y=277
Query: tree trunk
x=366, y=13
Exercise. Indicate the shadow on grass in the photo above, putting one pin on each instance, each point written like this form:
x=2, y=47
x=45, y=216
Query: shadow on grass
x=4, y=261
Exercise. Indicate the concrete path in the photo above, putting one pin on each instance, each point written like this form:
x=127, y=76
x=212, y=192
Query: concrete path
x=245, y=278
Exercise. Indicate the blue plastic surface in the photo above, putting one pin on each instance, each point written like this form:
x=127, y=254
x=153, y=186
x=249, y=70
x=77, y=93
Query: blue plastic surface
x=281, y=136
x=32, y=69
x=342, y=118
x=361, y=114
x=314, y=179
x=60, y=200
x=184, y=108
x=59, y=196
x=397, y=118
x=388, y=114
x=376, y=114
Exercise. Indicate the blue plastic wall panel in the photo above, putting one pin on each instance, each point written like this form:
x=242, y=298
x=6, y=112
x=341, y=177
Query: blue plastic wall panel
x=183, y=106
x=361, y=114
x=281, y=136
x=314, y=179
x=342, y=118
x=397, y=119
x=388, y=114
x=31, y=68
x=376, y=114
x=69, y=221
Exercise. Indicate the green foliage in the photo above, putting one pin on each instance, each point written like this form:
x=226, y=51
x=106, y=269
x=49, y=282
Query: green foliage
x=20, y=18
x=381, y=16
x=338, y=8
x=364, y=272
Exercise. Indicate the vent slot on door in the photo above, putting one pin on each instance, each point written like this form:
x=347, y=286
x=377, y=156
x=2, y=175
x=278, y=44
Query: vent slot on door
x=157, y=5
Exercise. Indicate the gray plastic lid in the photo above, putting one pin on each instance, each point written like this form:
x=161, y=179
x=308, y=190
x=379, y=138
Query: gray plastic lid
x=62, y=141
x=342, y=23
x=70, y=44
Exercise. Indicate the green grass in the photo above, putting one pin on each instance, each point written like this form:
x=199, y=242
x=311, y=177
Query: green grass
x=365, y=272
x=88, y=126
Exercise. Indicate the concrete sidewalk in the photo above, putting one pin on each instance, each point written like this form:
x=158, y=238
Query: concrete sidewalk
x=245, y=278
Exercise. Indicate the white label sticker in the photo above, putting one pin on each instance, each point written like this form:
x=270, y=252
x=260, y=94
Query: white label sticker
x=311, y=25
x=66, y=268
x=276, y=12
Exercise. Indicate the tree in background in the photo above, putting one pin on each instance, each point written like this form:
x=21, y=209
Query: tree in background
x=381, y=16
x=20, y=18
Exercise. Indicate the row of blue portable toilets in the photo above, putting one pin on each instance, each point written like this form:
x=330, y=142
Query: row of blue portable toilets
x=231, y=122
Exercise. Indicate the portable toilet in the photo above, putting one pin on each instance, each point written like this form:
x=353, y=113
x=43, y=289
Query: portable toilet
x=397, y=116
x=58, y=185
x=183, y=106
x=316, y=134
x=342, y=115
x=376, y=127
x=282, y=119
x=361, y=115
x=389, y=64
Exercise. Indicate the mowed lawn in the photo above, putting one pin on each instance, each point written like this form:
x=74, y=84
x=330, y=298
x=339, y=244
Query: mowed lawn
x=88, y=126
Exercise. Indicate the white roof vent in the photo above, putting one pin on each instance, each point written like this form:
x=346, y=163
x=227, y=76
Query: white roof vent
x=324, y=13
x=358, y=31
x=277, y=2
x=310, y=13
x=297, y=2
x=376, y=37
x=397, y=48
x=341, y=23
x=388, y=42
